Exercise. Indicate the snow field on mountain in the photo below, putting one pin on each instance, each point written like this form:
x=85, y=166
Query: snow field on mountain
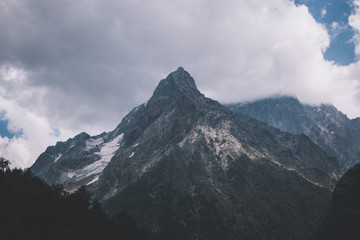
x=107, y=151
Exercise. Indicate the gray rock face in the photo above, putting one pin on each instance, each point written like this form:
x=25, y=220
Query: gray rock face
x=187, y=167
x=337, y=135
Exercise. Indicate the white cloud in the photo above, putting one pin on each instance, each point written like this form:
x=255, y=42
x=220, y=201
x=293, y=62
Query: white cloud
x=354, y=22
x=35, y=135
x=323, y=12
x=36, y=131
x=81, y=65
x=12, y=74
x=335, y=25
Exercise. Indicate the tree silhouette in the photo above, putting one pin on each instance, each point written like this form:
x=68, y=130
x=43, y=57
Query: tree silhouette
x=4, y=164
x=31, y=209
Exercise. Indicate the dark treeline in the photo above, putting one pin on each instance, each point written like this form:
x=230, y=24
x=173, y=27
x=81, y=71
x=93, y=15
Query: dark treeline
x=31, y=209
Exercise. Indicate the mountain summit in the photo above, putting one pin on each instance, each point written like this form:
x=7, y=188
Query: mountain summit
x=176, y=85
x=178, y=81
x=186, y=167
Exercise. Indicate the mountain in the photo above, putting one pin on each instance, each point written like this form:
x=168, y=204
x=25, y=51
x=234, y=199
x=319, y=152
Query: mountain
x=343, y=221
x=187, y=167
x=333, y=131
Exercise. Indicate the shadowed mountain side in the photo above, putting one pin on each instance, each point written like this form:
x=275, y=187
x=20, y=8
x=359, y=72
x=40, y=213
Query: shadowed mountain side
x=343, y=221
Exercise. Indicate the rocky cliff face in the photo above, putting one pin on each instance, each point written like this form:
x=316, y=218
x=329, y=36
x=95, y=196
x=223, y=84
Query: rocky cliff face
x=337, y=135
x=188, y=168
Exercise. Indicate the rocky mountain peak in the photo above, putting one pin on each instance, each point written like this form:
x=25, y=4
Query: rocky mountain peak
x=174, y=85
x=180, y=80
x=186, y=167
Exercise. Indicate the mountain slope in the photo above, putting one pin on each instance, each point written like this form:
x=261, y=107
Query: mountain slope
x=189, y=168
x=343, y=221
x=337, y=135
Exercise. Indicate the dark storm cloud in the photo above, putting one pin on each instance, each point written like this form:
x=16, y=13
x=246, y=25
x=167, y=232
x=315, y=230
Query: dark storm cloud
x=93, y=55
x=82, y=65
x=68, y=47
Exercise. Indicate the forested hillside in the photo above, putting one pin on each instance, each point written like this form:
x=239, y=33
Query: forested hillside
x=31, y=209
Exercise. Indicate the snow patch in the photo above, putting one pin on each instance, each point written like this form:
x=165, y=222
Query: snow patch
x=72, y=144
x=137, y=144
x=94, y=180
x=145, y=168
x=58, y=157
x=137, y=108
x=107, y=151
x=70, y=174
x=132, y=154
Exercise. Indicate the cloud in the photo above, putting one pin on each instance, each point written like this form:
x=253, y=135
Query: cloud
x=354, y=22
x=34, y=138
x=336, y=28
x=323, y=12
x=82, y=65
x=33, y=132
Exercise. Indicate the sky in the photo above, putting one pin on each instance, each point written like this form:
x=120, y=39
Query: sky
x=80, y=66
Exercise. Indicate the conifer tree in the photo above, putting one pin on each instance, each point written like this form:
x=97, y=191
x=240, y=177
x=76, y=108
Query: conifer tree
x=4, y=164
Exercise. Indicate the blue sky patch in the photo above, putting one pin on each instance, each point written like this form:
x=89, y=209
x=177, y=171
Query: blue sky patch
x=4, y=131
x=56, y=132
x=334, y=15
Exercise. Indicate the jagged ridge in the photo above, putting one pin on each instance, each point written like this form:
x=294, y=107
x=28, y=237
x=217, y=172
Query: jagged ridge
x=337, y=135
x=189, y=168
